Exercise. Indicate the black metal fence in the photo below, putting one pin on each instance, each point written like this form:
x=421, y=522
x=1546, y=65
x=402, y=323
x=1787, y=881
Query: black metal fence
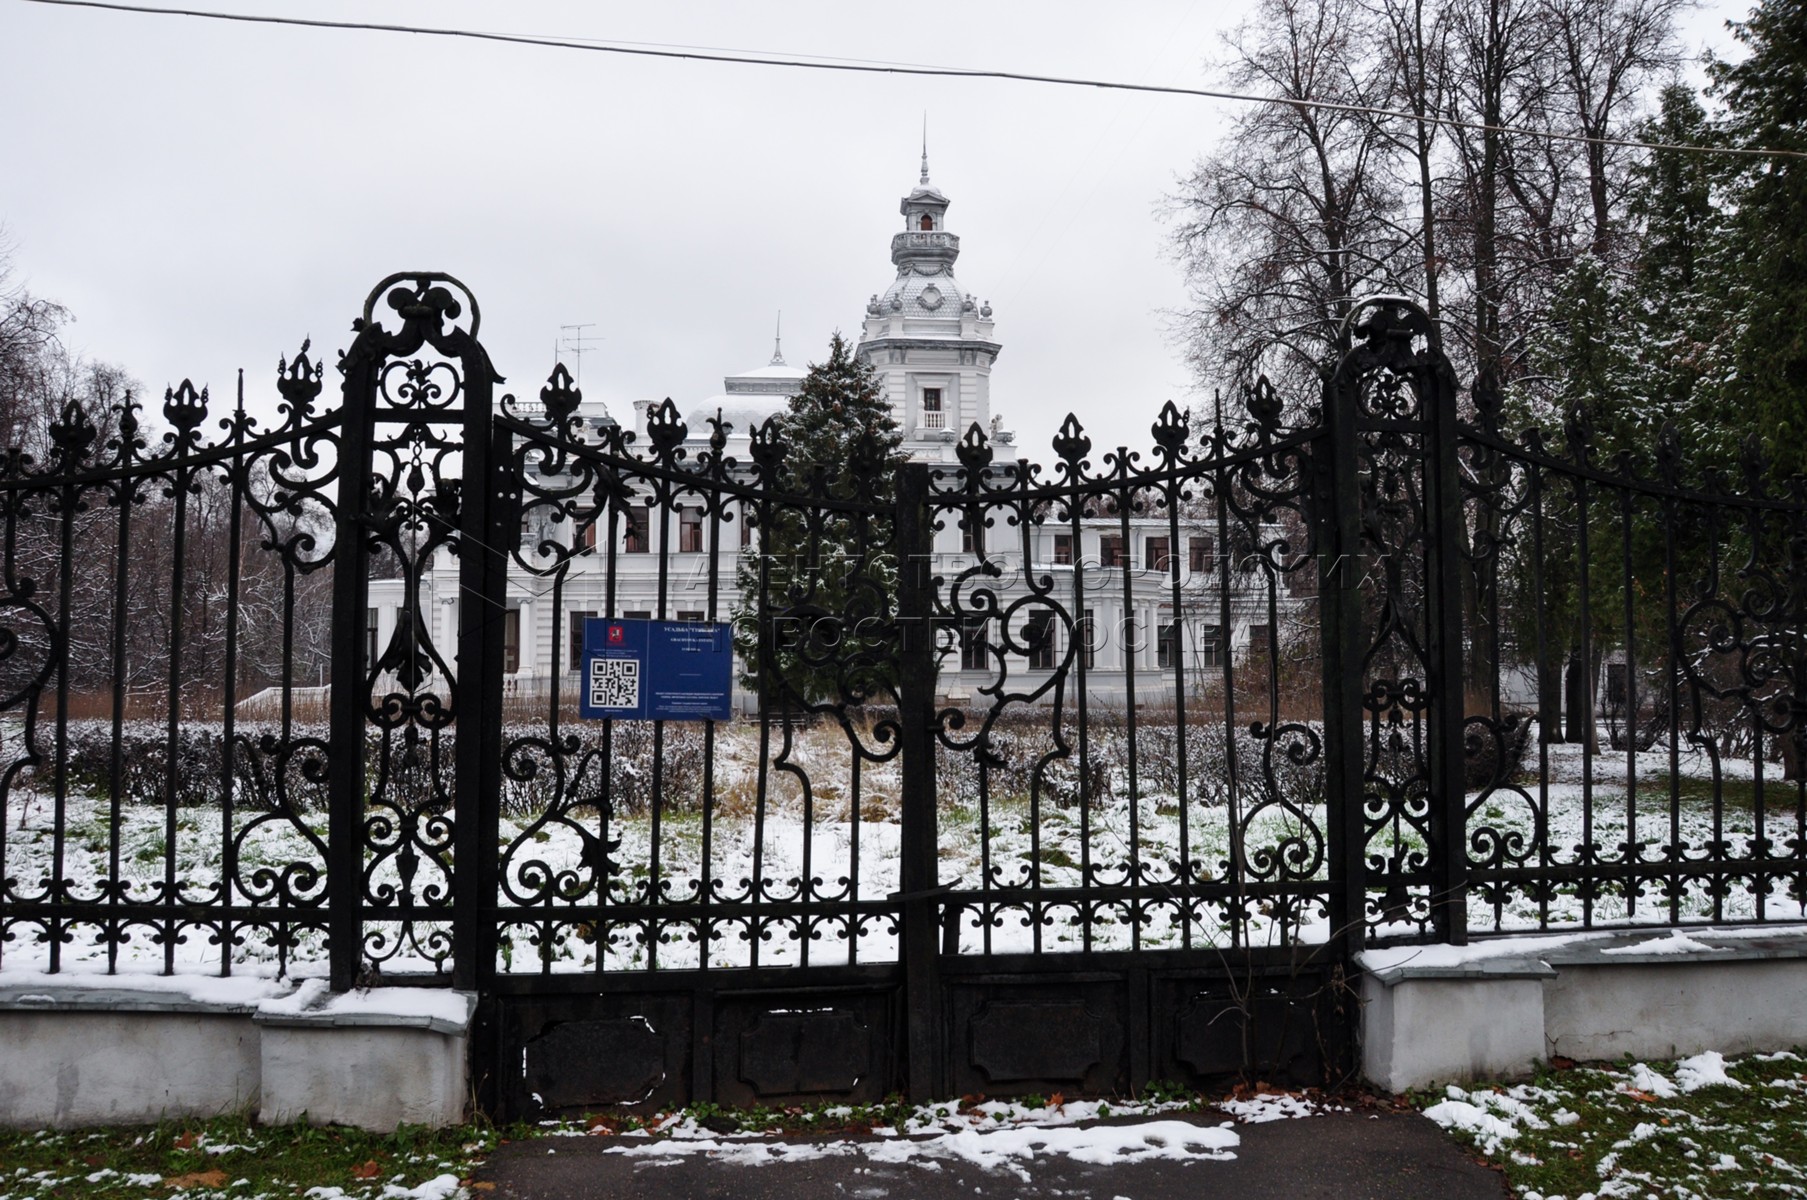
x=1043, y=772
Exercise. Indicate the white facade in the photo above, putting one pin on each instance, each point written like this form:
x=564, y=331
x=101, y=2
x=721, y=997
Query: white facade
x=932, y=345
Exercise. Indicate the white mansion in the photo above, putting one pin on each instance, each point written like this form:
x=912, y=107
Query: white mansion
x=931, y=344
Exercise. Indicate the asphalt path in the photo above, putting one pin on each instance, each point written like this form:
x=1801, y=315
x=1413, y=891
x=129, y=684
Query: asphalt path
x=1345, y=1156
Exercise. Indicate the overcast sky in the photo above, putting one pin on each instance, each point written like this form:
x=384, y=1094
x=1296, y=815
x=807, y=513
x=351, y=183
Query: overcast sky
x=203, y=195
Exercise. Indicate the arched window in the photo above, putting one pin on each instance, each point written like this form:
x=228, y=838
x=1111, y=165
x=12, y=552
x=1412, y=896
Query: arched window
x=928, y=222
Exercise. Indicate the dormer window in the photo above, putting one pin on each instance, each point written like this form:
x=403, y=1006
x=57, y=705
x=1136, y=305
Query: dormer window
x=928, y=222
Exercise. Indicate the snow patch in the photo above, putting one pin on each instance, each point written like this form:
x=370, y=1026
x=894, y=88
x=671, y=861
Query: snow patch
x=437, y=1188
x=312, y=998
x=1676, y=942
x=991, y=1150
x=241, y=990
x=1258, y=1110
x=1647, y=1079
x=1486, y=1128
x=1702, y=1071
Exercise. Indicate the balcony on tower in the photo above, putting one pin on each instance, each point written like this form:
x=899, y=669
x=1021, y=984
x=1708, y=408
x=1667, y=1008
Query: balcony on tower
x=922, y=245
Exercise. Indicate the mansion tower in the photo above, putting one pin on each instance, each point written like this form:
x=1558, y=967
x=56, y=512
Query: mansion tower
x=927, y=337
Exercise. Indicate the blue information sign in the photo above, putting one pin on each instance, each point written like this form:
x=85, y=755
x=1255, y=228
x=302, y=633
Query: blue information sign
x=657, y=670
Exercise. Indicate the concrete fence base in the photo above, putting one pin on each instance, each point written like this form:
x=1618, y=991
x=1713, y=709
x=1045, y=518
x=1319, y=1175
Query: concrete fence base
x=1495, y=1009
x=77, y=1051
x=89, y=1050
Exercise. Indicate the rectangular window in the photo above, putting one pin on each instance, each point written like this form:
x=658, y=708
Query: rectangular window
x=1167, y=645
x=636, y=616
x=1110, y=550
x=973, y=646
x=974, y=650
x=1157, y=553
x=638, y=534
x=746, y=526
x=1063, y=549
x=370, y=650
x=972, y=533
x=587, y=537
x=578, y=617
x=932, y=416
x=511, y=641
x=1088, y=642
x=690, y=616
x=1210, y=646
x=690, y=530
x=1198, y=554
x=1038, y=636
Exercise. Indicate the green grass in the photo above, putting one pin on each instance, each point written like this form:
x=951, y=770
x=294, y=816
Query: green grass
x=1592, y=1130
x=229, y=1157
x=1738, y=795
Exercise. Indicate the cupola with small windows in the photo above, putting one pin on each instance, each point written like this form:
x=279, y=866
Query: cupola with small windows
x=929, y=339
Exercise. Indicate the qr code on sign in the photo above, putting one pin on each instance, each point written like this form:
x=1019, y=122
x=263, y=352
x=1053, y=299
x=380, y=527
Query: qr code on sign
x=614, y=683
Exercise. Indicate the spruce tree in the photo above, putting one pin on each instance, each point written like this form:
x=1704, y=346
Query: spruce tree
x=1765, y=97
x=1679, y=312
x=818, y=586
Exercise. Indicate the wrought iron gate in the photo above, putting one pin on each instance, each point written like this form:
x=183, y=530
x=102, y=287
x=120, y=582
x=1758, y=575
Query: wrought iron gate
x=1063, y=780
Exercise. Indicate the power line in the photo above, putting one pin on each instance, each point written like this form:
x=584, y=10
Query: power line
x=869, y=67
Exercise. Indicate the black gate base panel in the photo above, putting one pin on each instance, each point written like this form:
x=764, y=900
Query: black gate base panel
x=1100, y=1025
x=651, y=1042
x=1112, y=1024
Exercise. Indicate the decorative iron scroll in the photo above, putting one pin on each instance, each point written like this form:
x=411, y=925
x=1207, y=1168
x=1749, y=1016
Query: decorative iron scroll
x=1300, y=678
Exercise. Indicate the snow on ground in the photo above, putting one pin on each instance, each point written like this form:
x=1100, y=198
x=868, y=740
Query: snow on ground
x=1491, y=1117
x=995, y=1135
x=1706, y=1069
x=992, y=1150
x=831, y=853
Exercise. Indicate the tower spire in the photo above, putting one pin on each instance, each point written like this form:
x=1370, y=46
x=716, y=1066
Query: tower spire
x=925, y=146
x=778, y=341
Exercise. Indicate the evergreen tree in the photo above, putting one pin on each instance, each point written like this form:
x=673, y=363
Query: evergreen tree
x=1679, y=313
x=819, y=585
x=1765, y=97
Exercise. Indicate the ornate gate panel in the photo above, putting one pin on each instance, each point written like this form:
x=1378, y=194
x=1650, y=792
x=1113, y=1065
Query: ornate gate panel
x=1068, y=780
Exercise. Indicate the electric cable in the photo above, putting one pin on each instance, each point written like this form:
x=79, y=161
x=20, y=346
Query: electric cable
x=871, y=67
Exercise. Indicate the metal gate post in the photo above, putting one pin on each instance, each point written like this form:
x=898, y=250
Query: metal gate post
x=345, y=711
x=919, y=901
x=1445, y=537
x=489, y=526
x=1336, y=511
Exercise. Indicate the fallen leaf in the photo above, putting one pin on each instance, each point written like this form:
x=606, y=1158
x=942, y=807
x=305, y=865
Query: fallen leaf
x=484, y=1186
x=1056, y=1100
x=1637, y=1095
x=368, y=1170
x=212, y=1179
x=186, y=1141
x=1562, y=1064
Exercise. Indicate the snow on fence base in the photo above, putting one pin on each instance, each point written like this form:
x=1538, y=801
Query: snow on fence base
x=91, y=1049
x=1494, y=1009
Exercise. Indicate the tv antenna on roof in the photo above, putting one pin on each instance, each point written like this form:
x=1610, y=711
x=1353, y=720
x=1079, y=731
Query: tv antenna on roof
x=574, y=339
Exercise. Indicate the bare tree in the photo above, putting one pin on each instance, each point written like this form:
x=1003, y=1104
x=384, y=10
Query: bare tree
x=1610, y=50
x=1412, y=40
x=1294, y=217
